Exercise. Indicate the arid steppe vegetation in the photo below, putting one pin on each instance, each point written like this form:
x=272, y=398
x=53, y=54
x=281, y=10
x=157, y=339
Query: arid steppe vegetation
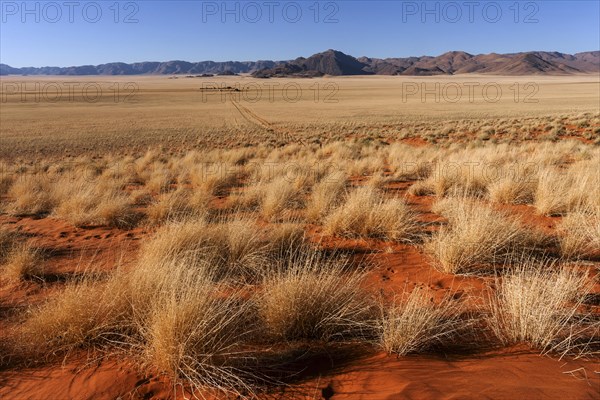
x=188, y=242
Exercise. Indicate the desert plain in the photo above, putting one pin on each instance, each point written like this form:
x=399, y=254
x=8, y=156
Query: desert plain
x=331, y=238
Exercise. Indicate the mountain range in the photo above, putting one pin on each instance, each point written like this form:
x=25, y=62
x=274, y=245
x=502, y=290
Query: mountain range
x=336, y=63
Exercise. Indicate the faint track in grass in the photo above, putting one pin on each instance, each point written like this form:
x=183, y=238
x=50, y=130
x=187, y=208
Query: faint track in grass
x=256, y=119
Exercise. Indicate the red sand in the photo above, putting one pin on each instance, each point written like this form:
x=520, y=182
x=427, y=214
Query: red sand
x=511, y=373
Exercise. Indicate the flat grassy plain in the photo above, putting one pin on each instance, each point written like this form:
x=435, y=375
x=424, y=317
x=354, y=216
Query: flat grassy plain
x=339, y=238
x=61, y=116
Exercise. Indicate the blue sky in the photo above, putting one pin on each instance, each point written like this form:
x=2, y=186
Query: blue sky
x=73, y=32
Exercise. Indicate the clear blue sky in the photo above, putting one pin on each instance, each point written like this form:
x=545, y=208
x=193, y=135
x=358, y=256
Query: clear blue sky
x=58, y=34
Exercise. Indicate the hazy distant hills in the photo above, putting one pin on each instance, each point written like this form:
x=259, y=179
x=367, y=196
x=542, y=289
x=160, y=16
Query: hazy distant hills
x=336, y=63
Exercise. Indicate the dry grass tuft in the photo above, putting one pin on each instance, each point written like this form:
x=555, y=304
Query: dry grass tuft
x=215, y=179
x=326, y=195
x=236, y=249
x=538, y=303
x=366, y=213
x=478, y=236
x=8, y=239
x=421, y=188
x=310, y=297
x=86, y=203
x=559, y=192
x=579, y=234
x=279, y=197
x=86, y=313
x=512, y=191
x=193, y=332
x=31, y=195
x=179, y=205
x=23, y=262
x=418, y=323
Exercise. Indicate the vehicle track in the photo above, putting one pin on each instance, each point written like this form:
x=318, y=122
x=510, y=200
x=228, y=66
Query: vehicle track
x=256, y=119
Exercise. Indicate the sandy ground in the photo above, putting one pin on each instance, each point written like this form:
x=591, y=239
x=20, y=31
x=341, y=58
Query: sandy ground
x=501, y=373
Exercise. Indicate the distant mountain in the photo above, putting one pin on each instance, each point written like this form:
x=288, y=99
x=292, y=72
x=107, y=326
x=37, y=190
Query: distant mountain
x=336, y=63
x=330, y=62
x=145, y=68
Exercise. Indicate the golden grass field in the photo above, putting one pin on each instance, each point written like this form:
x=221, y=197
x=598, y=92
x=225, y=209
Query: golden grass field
x=187, y=241
x=133, y=113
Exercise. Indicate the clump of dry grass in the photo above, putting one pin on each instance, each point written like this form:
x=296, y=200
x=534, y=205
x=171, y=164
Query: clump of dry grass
x=310, y=297
x=97, y=202
x=513, y=190
x=160, y=179
x=174, y=240
x=326, y=195
x=278, y=197
x=18, y=260
x=366, y=213
x=215, y=178
x=233, y=249
x=116, y=211
x=23, y=261
x=452, y=179
x=31, y=194
x=417, y=323
x=538, y=303
x=579, y=234
x=285, y=239
x=7, y=177
x=478, y=236
x=170, y=314
x=554, y=194
x=410, y=163
x=178, y=205
x=238, y=247
x=421, y=188
x=193, y=332
x=86, y=313
x=8, y=239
